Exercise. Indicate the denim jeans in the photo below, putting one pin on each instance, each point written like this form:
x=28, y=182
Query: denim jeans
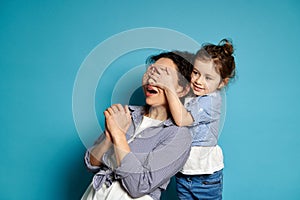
x=200, y=187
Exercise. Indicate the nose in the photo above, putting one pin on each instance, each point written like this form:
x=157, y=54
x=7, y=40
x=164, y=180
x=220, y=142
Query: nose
x=199, y=80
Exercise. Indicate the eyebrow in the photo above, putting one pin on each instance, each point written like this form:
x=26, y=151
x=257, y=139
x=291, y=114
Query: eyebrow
x=210, y=76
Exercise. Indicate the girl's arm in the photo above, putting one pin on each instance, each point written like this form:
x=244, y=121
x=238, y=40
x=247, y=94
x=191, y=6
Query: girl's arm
x=180, y=115
x=165, y=79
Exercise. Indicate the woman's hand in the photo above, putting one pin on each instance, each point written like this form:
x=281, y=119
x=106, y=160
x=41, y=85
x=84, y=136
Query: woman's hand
x=118, y=120
x=107, y=136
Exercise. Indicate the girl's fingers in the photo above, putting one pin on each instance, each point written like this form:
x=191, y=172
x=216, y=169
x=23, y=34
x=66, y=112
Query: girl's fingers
x=163, y=70
x=153, y=77
x=150, y=70
x=168, y=70
x=151, y=81
x=159, y=70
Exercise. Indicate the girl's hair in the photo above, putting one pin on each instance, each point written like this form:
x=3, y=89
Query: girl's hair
x=221, y=55
x=182, y=59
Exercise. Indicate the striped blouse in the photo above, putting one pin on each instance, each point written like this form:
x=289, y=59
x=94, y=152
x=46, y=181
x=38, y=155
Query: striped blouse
x=157, y=153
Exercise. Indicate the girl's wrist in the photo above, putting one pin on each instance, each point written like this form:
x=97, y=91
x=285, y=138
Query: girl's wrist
x=171, y=90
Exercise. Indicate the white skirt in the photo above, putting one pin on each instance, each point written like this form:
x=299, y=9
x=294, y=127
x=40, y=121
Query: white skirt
x=114, y=192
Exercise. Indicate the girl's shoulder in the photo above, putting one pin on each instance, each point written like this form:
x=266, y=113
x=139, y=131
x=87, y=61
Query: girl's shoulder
x=212, y=101
x=213, y=97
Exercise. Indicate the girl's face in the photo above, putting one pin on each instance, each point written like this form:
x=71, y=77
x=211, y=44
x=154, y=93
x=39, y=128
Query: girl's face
x=204, y=78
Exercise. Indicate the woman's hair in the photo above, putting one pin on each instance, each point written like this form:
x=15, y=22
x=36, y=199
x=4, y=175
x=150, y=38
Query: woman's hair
x=221, y=55
x=182, y=59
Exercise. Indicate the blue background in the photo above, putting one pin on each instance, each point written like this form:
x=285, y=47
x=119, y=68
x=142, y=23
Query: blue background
x=43, y=43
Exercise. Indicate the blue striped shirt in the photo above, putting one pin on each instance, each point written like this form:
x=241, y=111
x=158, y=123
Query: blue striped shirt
x=157, y=153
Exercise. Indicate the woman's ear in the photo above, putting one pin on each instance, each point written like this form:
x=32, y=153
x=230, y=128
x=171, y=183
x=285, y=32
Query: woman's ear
x=223, y=83
x=184, y=91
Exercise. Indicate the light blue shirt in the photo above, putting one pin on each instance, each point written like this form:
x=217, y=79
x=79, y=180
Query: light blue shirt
x=206, y=112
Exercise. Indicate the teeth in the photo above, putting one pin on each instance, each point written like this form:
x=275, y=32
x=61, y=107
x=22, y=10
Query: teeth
x=152, y=89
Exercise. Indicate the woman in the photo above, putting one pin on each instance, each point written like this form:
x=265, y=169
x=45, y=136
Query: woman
x=142, y=148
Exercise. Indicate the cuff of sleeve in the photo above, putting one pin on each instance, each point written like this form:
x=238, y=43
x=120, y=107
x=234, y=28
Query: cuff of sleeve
x=88, y=162
x=195, y=115
x=129, y=165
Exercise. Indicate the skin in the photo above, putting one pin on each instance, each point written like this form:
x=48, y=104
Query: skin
x=204, y=80
x=118, y=118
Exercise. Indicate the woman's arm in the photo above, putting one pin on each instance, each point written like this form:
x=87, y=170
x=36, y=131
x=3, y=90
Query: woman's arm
x=94, y=154
x=118, y=120
x=98, y=150
x=142, y=176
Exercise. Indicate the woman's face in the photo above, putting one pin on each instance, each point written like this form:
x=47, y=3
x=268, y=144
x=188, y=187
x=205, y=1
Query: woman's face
x=155, y=96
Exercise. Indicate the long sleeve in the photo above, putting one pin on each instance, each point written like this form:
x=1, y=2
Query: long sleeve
x=142, y=176
x=206, y=112
x=88, y=164
x=205, y=109
x=156, y=154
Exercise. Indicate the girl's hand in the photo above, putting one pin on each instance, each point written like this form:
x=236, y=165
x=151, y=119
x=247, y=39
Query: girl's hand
x=117, y=120
x=147, y=74
x=163, y=77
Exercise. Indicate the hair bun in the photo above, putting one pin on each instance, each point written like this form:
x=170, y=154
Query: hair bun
x=227, y=46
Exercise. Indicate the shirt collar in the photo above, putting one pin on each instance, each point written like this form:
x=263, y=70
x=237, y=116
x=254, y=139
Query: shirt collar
x=137, y=113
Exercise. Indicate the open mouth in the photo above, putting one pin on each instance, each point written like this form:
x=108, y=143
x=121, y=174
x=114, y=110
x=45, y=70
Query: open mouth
x=150, y=90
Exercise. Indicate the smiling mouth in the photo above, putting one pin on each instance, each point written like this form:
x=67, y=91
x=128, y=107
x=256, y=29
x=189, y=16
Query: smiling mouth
x=197, y=88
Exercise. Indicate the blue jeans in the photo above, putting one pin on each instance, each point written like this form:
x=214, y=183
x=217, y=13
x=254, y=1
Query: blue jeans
x=202, y=187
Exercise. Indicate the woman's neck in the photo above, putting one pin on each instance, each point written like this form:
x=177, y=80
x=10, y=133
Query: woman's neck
x=158, y=112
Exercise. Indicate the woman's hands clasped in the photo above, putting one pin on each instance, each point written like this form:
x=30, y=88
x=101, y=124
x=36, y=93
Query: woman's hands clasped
x=117, y=121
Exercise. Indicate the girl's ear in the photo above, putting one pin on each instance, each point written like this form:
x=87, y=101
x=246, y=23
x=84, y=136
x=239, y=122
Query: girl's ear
x=223, y=83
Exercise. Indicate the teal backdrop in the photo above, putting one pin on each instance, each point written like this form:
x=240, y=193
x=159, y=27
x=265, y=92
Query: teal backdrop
x=43, y=44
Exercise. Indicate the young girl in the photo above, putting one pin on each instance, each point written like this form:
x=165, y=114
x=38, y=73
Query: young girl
x=214, y=65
